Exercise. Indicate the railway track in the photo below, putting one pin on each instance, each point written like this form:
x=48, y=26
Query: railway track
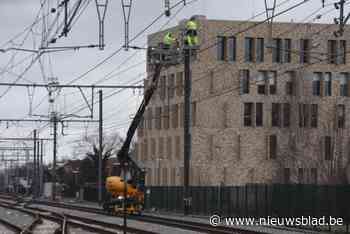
x=183, y=224
x=67, y=221
x=171, y=222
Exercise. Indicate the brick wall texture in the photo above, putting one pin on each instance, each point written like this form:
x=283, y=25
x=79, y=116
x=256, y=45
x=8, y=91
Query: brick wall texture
x=292, y=143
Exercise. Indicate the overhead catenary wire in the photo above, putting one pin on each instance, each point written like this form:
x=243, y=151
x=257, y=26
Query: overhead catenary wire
x=284, y=11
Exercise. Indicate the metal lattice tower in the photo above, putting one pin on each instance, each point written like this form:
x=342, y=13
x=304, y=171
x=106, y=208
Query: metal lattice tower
x=101, y=6
x=126, y=5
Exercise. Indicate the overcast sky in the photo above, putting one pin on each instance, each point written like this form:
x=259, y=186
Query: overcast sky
x=17, y=15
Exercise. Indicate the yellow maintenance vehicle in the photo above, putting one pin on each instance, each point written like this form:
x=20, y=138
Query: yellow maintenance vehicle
x=130, y=182
x=134, y=197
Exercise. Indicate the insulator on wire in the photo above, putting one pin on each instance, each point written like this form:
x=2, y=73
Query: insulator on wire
x=167, y=8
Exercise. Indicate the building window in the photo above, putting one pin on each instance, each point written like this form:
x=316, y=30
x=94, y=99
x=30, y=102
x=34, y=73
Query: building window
x=162, y=91
x=171, y=86
x=221, y=48
x=341, y=115
x=150, y=118
x=276, y=111
x=161, y=148
x=314, y=115
x=342, y=52
x=244, y=79
x=181, y=113
x=261, y=82
x=260, y=50
x=306, y=115
x=248, y=114
x=344, y=78
x=316, y=84
x=249, y=49
x=179, y=83
x=314, y=175
x=286, y=115
x=303, y=115
x=153, y=148
x=287, y=50
x=304, y=51
x=169, y=148
x=328, y=84
x=290, y=83
x=145, y=150
x=177, y=147
x=328, y=154
x=158, y=124
x=166, y=116
x=175, y=116
x=232, y=49
x=259, y=110
x=277, y=50
x=272, y=78
x=332, y=51
x=273, y=146
x=286, y=175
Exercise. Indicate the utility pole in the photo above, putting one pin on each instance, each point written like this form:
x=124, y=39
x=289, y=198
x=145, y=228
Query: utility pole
x=125, y=224
x=34, y=165
x=41, y=168
x=187, y=130
x=54, y=120
x=101, y=147
x=38, y=169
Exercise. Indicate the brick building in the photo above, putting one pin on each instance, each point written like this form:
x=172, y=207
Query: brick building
x=265, y=109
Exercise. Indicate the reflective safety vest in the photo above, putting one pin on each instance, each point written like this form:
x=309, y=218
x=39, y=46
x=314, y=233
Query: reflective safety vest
x=191, y=25
x=169, y=39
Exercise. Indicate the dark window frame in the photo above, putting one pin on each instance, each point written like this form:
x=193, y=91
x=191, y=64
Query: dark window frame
x=245, y=81
x=327, y=84
x=286, y=114
x=332, y=51
x=273, y=146
x=316, y=84
x=344, y=86
x=287, y=58
x=248, y=114
x=249, y=49
x=277, y=50
x=341, y=116
x=305, y=46
x=221, y=48
x=314, y=116
x=290, y=83
x=328, y=154
x=261, y=84
x=259, y=114
x=276, y=115
x=260, y=49
x=232, y=48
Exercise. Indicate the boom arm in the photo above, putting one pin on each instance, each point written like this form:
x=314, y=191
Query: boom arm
x=123, y=154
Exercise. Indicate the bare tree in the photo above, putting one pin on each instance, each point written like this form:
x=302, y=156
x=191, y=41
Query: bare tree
x=88, y=148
